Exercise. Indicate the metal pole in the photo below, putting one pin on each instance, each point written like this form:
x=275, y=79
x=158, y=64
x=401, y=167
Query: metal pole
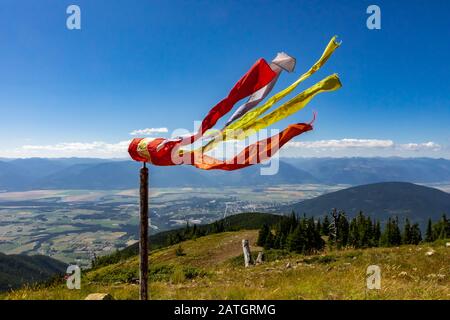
x=143, y=235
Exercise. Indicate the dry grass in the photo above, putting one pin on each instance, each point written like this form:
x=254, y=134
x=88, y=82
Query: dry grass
x=407, y=273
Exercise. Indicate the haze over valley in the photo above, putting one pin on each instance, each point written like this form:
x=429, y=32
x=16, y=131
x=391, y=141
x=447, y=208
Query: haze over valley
x=76, y=209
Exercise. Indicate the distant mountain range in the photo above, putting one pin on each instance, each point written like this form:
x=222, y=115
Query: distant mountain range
x=77, y=173
x=356, y=171
x=380, y=200
x=17, y=270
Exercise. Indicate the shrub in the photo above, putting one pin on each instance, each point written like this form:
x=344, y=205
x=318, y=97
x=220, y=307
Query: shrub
x=178, y=276
x=179, y=252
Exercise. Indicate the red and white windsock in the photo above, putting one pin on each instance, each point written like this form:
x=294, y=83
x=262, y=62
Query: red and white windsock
x=281, y=62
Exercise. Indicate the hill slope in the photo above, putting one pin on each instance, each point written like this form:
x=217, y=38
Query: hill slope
x=212, y=268
x=17, y=270
x=381, y=200
x=242, y=221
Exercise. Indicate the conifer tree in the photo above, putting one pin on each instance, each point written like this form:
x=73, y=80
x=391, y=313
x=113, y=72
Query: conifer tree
x=277, y=240
x=377, y=234
x=429, y=233
x=342, y=231
x=386, y=237
x=397, y=237
x=262, y=235
x=406, y=236
x=269, y=241
x=293, y=220
x=391, y=235
x=319, y=226
x=296, y=240
x=282, y=241
x=194, y=232
x=368, y=233
x=441, y=228
x=326, y=226
x=353, y=237
x=416, y=235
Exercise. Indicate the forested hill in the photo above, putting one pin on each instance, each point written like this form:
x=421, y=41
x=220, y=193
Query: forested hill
x=17, y=270
x=381, y=200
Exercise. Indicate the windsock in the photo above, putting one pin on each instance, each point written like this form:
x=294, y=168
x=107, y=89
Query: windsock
x=248, y=119
x=281, y=62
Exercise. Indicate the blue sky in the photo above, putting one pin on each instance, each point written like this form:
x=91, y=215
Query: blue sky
x=163, y=64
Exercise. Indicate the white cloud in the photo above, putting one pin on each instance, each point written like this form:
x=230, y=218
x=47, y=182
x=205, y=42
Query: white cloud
x=320, y=148
x=148, y=131
x=343, y=143
x=95, y=149
x=421, y=146
x=363, y=148
x=80, y=146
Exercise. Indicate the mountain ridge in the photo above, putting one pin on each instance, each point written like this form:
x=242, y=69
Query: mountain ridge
x=17, y=270
x=381, y=200
x=79, y=173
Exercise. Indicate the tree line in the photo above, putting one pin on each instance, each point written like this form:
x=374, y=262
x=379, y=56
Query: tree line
x=194, y=232
x=306, y=235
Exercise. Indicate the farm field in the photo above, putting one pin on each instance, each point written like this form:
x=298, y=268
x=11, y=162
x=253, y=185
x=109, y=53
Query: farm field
x=77, y=225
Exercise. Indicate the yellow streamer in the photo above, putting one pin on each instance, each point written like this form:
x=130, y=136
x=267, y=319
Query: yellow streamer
x=330, y=83
x=255, y=113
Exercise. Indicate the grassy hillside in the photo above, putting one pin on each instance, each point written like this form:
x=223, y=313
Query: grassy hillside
x=16, y=270
x=249, y=221
x=211, y=268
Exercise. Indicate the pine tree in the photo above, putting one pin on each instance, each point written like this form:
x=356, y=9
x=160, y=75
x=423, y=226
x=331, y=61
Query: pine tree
x=446, y=223
x=386, y=237
x=310, y=236
x=406, y=236
x=441, y=228
x=397, y=236
x=269, y=241
x=429, y=233
x=319, y=226
x=368, y=233
x=194, y=232
x=447, y=226
x=377, y=234
x=326, y=226
x=342, y=231
x=293, y=220
x=319, y=244
x=262, y=236
x=282, y=241
x=277, y=240
x=391, y=235
x=416, y=235
x=353, y=237
x=187, y=230
x=296, y=240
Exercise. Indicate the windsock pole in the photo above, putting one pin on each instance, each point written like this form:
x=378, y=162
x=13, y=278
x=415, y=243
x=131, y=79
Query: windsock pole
x=143, y=234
